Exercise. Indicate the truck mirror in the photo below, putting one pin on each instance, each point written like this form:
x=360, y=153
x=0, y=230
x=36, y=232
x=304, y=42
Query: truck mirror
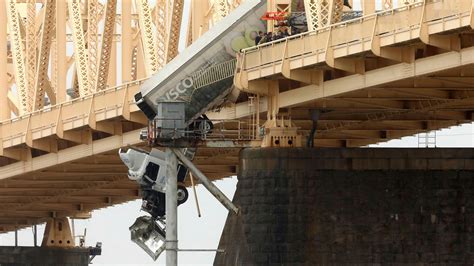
x=150, y=235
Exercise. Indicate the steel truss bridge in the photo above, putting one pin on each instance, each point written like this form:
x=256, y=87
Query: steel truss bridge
x=69, y=71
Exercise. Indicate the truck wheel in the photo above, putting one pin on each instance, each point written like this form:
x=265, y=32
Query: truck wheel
x=182, y=194
x=202, y=126
x=205, y=127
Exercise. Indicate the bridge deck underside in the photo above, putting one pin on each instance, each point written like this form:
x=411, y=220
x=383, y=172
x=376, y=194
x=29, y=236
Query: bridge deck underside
x=63, y=161
x=75, y=188
x=391, y=111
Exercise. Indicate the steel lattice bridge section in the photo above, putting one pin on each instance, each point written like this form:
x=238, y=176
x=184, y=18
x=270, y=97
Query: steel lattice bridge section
x=375, y=78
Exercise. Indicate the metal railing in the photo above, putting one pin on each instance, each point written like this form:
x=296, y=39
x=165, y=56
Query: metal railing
x=213, y=74
x=361, y=28
x=50, y=108
x=215, y=129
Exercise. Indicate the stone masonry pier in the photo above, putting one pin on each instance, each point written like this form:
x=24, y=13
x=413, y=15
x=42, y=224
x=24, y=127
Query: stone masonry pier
x=43, y=256
x=352, y=206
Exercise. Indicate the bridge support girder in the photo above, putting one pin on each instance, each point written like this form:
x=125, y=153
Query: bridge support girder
x=58, y=233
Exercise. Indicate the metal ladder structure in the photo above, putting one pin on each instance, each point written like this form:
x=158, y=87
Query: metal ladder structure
x=214, y=74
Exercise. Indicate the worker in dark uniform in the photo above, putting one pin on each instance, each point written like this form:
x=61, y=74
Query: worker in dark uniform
x=259, y=37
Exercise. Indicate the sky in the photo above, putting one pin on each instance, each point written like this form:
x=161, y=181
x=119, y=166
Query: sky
x=110, y=225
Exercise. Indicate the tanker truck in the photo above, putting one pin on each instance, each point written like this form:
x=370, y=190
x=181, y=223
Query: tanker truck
x=198, y=79
x=176, y=99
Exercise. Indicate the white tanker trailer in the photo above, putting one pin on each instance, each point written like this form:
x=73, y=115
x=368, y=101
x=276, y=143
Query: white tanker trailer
x=202, y=75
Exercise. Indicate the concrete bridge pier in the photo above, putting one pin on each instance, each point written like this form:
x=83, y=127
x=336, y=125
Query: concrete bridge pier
x=43, y=256
x=57, y=248
x=352, y=206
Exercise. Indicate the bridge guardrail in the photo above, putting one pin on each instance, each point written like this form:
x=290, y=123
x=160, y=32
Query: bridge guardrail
x=72, y=114
x=360, y=29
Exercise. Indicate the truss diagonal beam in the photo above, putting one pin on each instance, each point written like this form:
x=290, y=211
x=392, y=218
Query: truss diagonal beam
x=31, y=45
x=147, y=37
x=176, y=17
x=18, y=57
x=4, y=88
x=106, y=47
x=92, y=41
x=60, y=65
x=80, y=53
x=320, y=13
x=42, y=82
x=162, y=21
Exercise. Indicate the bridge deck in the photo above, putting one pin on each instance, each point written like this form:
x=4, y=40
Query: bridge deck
x=376, y=78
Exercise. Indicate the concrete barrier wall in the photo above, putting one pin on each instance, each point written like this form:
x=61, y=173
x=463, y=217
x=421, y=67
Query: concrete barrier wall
x=352, y=206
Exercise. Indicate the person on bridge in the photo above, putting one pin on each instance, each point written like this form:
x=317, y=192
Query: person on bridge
x=268, y=37
x=259, y=37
